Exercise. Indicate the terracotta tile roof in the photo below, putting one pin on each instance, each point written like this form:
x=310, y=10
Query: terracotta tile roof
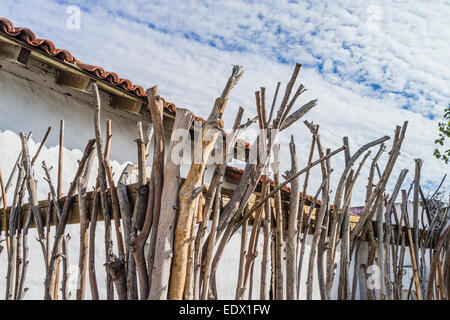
x=47, y=46
x=27, y=36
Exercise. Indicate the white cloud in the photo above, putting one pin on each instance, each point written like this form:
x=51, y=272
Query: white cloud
x=400, y=46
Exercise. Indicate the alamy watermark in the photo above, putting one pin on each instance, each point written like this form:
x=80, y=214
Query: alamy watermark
x=373, y=281
x=73, y=21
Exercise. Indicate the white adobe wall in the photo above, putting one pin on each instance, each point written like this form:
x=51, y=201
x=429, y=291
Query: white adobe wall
x=26, y=106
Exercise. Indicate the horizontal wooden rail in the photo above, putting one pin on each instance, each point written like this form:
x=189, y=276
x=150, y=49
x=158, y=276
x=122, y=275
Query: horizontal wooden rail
x=132, y=194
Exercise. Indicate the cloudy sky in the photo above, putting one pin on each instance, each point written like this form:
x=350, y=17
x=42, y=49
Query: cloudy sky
x=371, y=64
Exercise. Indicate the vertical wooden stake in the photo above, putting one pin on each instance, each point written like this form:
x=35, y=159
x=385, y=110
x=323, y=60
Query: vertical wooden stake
x=59, y=195
x=4, y=218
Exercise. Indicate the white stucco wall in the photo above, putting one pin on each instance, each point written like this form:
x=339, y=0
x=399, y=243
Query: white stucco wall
x=27, y=106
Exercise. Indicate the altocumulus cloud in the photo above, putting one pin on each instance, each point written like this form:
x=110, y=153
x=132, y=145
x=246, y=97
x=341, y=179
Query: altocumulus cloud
x=372, y=65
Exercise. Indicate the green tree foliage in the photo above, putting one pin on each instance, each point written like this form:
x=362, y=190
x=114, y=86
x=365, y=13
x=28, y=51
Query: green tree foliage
x=444, y=132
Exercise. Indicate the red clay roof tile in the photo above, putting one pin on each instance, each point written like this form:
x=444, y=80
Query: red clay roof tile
x=28, y=36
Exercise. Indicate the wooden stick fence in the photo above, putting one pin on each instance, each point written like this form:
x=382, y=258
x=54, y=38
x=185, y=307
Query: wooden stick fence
x=172, y=214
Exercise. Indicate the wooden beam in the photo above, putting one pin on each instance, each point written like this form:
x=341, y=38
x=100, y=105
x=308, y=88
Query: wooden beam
x=74, y=217
x=72, y=80
x=123, y=103
x=9, y=51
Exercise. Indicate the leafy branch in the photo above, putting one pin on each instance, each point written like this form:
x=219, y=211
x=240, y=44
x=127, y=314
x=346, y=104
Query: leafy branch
x=444, y=132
